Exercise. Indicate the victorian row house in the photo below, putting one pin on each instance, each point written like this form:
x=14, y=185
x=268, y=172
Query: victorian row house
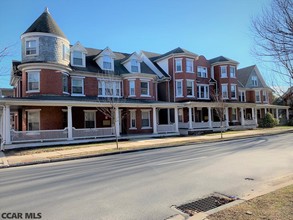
x=71, y=93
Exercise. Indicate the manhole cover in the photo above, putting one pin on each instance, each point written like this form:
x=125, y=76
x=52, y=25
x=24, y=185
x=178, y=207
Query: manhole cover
x=205, y=204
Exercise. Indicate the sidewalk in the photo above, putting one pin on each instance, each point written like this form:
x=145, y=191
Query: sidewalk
x=53, y=154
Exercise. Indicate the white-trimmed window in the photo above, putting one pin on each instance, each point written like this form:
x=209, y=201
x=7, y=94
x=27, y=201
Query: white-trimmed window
x=134, y=66
x=145, y=118
x=178, y=65
x=264, y=96
x=90, y=118
x=223, y=71
x=189, y=65
x=234, y=114
x=109, y=88
x=179, y=88
x=257, y=96
x=224, y=91
x=233, y=92
x=190, y=88
x=33, y=120
x=66, y=52
x=77, y=86
x=202, y=91
x=232, y=72
x=132, y=119
x=65, y=82
x=132, y=88
x=77, y=58
x=145, y=88
x=107, y=62
x=242, y=96
x=32, y=47
x=33, y=81
x=254, y=80
x=202, y=72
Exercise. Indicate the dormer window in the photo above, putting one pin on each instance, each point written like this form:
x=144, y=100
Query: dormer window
x=107, y=62
x=254, y=81
x=31, y=47
x=134, y=66
x=77, y=58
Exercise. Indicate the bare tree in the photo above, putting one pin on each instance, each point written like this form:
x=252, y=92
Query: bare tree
x=111, y=91
x=220, y=108
x=273, y=37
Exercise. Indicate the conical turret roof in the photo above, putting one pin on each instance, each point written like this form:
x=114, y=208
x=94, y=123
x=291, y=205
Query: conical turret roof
x=45, y=24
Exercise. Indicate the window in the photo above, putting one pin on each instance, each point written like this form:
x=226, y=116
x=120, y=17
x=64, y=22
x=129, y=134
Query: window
x=145, y=119
x=223, y=71
x=77, y=86
x=134, y=66
x=225, y=91
x=31, y=47
x=33, y=81
x=107, y=62
x=144, y=88
x=133, y=119
x=89, y=119
x=132, y=88
x=233, y=92
x=202, y=91
x=202, y=72
x=190, y=87
x=257, y=96
x=234, y=114
x=178, y=63
x=254, y=81
x=179, y=92
x=264, y=96
x=189, y=65
x=77, y=58
x=33, y=120
x=109, y=88
x=66, y=52
x=232, y=72
x=65, y=82
x=242, y=97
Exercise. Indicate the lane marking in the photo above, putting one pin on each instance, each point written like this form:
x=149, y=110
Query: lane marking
x=179, y=161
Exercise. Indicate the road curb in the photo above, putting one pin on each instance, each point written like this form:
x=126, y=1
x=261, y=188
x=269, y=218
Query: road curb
x=135, y=150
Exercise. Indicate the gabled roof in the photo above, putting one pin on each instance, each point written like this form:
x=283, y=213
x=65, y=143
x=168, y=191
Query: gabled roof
x=221, y=59
x=45, y=24
x=177, y=50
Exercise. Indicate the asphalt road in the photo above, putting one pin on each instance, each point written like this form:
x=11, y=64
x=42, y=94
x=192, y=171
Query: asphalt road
x=145, y=184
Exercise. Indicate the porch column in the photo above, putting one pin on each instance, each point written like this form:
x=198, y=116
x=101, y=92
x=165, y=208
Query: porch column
x=155, y=126
x=265, y=110
x=7, y=128
x=210, y=116
x=287, y=114
x=255, y=116
x=3, y=125
x=227, y=116
x=117, y=122
x=168, y=112
x=176, y=119
x=242, y=116
x=69, y=122
x=277, y=113
x=190, y=118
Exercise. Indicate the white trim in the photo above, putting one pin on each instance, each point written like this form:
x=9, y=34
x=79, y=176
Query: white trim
x=226, y=85
x=39, y=118
x=130, y=119
x=83, y=62
x=233, y=67
x=82, y=89
x=221, y=75
x=37, y=46
x=148, y=90
x=192, y=65
x=202, y=67
x=206, y=91
x=176, y=90
x=33, y=34
x=178, y=59
x=257, y=101
x=129, y=83
x=95, y=117
x=149, y=118
x=33, y=110
x=192, y=83
x=27, y=81
x=235, y=90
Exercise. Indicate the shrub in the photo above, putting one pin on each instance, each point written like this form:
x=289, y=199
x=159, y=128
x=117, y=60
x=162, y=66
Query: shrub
x=290, y=122
x=268, y=121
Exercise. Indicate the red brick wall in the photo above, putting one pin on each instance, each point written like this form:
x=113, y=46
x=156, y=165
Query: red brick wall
x=250, y=96
x=90, y=86
x=139, y=130
x=152, y=89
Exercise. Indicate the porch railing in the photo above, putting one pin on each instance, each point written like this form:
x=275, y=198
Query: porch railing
x=249, y=122
x=167, y=128
x=92, y=132
x=200, y=125
x=40, y=135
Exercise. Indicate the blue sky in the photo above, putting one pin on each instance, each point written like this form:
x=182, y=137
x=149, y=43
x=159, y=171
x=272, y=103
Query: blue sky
x=206, y=27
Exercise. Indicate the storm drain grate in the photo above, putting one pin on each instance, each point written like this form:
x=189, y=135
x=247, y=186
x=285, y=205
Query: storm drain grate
x=205, y=204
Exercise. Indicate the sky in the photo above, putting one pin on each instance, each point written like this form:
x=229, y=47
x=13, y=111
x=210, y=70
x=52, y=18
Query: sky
x=206, y=27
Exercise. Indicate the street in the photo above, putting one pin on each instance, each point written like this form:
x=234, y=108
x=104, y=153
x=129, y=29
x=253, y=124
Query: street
x=144, y=184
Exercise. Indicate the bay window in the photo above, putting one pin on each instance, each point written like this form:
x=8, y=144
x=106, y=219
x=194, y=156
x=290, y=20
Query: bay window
x=144, y=88
x=108, y=88
x=179, y=92
x=225, y=91
x=190, y=88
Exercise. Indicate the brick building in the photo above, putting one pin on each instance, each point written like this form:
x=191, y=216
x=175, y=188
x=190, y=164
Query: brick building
x=71, y=93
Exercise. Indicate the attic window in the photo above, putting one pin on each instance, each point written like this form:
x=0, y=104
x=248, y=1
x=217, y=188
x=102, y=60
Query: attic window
x=254, y=81
x=77, y=58
x=134, y=66
x=107, y=62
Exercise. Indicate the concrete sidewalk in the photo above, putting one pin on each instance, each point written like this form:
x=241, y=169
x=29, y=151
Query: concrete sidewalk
x=46, y=154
